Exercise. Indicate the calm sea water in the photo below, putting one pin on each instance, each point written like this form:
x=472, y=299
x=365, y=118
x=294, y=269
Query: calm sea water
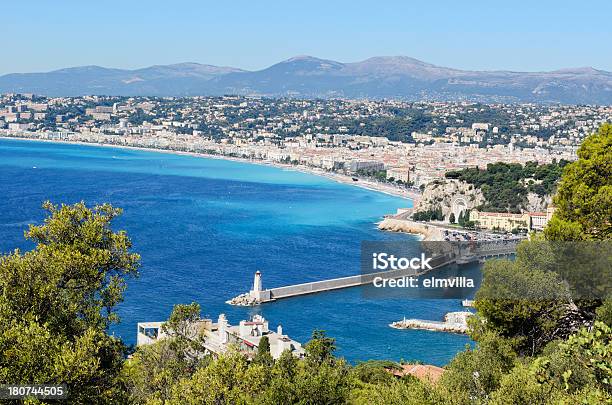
x=204, y=226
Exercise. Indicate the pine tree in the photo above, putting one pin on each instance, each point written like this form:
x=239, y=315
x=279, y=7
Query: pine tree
x=263, y=355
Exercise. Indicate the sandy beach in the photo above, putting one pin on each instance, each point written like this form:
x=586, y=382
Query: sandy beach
x=337, y=177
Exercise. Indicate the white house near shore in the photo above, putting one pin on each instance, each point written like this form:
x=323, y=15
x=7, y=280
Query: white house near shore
x=220, y=336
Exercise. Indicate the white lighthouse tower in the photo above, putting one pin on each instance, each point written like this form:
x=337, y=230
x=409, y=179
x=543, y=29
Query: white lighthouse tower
x=258, y=293
x=257, y=285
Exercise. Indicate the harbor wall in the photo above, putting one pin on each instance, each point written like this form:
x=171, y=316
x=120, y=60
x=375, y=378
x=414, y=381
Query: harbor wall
x=316, y=286
x=351, y=281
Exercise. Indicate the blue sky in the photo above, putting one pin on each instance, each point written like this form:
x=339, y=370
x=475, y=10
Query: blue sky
x=469, y=34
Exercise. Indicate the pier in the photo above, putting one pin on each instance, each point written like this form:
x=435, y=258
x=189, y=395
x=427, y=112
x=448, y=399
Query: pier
x=350, y=281
x=259, y=295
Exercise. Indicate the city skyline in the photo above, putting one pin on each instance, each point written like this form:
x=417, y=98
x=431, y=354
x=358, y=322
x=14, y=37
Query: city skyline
x=478, y=36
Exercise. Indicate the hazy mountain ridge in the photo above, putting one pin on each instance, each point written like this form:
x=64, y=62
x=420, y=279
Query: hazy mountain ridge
x=306, y=76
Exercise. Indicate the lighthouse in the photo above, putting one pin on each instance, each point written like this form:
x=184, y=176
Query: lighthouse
x=258, y=293
x=257, y=286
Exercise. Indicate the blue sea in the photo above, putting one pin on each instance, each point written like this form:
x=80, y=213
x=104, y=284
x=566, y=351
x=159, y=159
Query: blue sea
x=204, y=226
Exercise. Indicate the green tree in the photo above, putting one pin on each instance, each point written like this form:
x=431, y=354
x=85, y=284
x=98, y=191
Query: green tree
x=58, y=300
x=375, y=372
x=155, y=368
x=520, y=386
x=584, y=196
x=228, y=379
x=591, y=350
x=475, y=373
x=523, y=304
x=409, y=391
x=329, y=382
x=604, y=312
x=451, y=218
x=577, y=370
x=187, y=339
x=320, y=348
x=281, y=388
x=263, y=355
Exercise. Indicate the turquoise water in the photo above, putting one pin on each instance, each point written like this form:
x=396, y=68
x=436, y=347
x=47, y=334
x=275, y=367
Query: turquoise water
x=204, y=226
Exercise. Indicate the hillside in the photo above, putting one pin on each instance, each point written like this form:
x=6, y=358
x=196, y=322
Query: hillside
x=501, y=187
x=305, y=76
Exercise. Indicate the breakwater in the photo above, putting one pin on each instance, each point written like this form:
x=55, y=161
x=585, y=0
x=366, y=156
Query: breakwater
x=258, y=295
x=455, y=322
x=255, y=296
x=351, y=281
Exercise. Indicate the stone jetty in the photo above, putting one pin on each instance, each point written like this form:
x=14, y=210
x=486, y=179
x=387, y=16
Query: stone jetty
x=455, y=322
x=243, y=300
x=429, y=232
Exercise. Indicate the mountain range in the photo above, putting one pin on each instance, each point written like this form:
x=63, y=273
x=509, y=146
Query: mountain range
x=398, y=77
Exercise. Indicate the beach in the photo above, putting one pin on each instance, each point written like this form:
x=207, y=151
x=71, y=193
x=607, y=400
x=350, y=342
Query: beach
x=337, y=177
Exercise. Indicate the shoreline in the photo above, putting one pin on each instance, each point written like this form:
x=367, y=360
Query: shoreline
x=425, y=231
x=336, y=177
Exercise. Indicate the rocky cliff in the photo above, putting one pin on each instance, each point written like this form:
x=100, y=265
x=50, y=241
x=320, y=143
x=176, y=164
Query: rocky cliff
x=535, y=203
x=454, y=196
x=451, y=196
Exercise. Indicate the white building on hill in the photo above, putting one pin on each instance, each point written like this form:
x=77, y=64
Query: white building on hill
x=220, y=336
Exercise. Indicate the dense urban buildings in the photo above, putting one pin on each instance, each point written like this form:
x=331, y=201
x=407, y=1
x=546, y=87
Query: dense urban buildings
x=410, y=143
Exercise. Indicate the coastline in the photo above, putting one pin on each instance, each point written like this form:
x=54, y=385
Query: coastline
x=337, y=177
x=193, y=273
x=426, y=232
